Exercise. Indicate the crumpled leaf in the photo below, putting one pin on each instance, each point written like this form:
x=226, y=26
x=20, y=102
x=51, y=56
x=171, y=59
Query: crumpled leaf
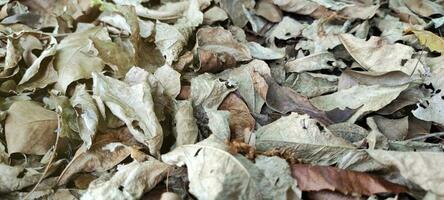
x=377, y=56
x=431, y=107
x=307, y=140
x=186, y=128
x=219, y=123
x=286, y=29
x=247, y=77
x=240, y=120
x=107, y=151
x=34, y=68
x=277, y=171
x=312, y=84
x=269, y=11
x=134, y=105
x=260, y=52
x=321, y=36
x=130, y=181
x=216, y=174
x=30, y=128
x=364, y=98
x=208, y=91
x=312, y=62
x=393, y=129
x=87, y=114
x=422, y=168
x=171, y=39
x=234, y=10
x=169, y=80
x=16, y=178
x=76, y=57
x=223, y=43
x=319, y=178
x=285, y=100
x=214, y=14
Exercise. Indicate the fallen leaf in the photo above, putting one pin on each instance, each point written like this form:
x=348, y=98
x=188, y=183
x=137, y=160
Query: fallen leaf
x=223, y=43
x=133, y=105
x=241, y=121
x=130, y=181
x=319, y=178
x=15, y=178
x=285, y=100
x=107, y=151
x=186, y=128
x=172, y=39
x=30, y=128
x=412, y=166
x=87, y=114
x=76, y=57
x=236, y=178
x=377, y=56
x=430, y=40
x=364, y=98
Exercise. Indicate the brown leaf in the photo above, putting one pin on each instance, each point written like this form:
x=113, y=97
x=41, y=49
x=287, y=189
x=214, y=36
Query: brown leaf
x=285, y=100
x=107, y=151
x=214, y=62
x=30, y=128
x=241, y=121
x=318, y=178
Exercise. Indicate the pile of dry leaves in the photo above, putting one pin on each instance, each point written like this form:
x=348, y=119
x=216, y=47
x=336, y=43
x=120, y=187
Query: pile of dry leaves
x=221, y=99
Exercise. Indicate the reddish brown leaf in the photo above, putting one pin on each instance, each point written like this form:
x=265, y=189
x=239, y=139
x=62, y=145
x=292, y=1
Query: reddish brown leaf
x=241, y=121
x=318, y=178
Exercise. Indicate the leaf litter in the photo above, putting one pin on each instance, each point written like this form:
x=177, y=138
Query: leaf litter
x=221, y=99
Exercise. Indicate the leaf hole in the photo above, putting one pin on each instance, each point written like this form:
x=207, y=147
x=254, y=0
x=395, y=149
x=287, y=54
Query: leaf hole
x=437, y=91
x=276, y=182
x=121, y=188
x=321, y=128
x=135, y=124
x=287, y=34
x=197, y=152
x=403, y=62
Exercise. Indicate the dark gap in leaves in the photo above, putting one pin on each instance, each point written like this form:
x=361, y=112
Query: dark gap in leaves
x=22, y=173
x=276, y=182
x=121, y=188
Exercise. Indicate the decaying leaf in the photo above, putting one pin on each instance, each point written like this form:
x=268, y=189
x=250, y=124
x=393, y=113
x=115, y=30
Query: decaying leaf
x=107, y=151
x=215, y=173
x=172, y=39
x=132, y=104
x=130, y=181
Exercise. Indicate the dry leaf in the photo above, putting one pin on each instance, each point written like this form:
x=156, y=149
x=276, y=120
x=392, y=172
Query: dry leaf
x=319, y=178
x=30, y=128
